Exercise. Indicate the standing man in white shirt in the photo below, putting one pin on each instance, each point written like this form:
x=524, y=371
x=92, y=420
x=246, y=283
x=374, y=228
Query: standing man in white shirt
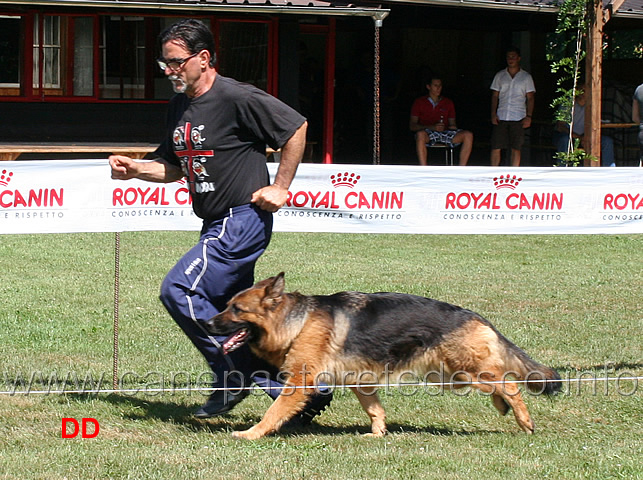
x=512, y=104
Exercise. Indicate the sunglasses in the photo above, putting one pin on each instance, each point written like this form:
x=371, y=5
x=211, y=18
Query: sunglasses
x=174, y=65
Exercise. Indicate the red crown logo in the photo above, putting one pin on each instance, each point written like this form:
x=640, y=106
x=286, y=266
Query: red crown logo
x=344, y=180
x=5, y=177
x=506, y=181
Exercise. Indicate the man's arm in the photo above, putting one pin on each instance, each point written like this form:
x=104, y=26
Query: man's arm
x=561, y=127
x=526, y=122
x=451, y=123
x=416, y=126
x=159, y=171
x=273, y=197
x=636, y=114
x=495, y=94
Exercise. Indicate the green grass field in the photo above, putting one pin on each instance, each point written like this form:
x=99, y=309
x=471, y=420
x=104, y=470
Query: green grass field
x=572, y=302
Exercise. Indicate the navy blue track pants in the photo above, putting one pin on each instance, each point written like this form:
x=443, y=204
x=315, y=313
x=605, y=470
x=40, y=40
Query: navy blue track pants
x=201, y=283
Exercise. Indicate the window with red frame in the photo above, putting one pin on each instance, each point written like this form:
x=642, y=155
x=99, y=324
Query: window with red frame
x=112, y=57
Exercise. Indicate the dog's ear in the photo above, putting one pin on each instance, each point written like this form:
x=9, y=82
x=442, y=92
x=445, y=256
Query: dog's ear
x=278, y=285
x=275, y=290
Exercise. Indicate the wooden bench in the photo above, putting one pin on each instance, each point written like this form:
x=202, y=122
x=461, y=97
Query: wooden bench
x=11, y=151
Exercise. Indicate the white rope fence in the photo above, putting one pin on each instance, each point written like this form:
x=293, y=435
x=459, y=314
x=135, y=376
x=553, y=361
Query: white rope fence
x=366, y=386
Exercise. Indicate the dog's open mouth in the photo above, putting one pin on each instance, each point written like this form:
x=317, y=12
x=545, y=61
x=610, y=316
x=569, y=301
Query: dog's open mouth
x=235, y=341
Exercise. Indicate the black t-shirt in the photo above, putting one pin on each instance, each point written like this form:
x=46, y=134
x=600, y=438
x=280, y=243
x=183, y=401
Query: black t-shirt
x=219, y=140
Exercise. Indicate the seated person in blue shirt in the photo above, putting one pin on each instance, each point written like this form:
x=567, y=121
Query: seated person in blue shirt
x=561, y=133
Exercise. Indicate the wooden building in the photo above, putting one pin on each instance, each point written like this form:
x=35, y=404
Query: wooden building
x=83, y=71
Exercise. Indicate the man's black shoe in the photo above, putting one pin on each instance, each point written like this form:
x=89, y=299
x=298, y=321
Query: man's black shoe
x=316, y=405
x=220, y=403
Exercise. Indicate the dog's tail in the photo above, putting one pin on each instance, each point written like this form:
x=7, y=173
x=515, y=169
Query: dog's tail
x=538, y=378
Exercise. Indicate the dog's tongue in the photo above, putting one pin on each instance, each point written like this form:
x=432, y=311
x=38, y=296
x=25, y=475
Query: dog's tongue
x=235, y=341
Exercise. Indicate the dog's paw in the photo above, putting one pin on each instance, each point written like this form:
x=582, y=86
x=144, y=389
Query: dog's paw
x=377, y=432
x=378, y=428
x=247, y=434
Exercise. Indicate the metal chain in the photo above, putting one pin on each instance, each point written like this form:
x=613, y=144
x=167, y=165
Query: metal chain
x=376, y=98
x=117, y=263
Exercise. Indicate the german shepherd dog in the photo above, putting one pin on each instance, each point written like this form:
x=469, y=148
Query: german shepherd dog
x=360, y=339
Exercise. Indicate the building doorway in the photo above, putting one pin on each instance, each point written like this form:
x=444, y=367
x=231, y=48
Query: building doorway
x=316, y=89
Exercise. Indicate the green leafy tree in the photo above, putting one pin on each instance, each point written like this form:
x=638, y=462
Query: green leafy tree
x=565, y=52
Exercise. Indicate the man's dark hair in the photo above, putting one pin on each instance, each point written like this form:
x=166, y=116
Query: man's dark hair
x=513, y=49
x=193, y=34
x=432, y=76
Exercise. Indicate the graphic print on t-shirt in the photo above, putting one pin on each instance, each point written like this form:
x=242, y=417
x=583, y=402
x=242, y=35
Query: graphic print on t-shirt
x=187, y=145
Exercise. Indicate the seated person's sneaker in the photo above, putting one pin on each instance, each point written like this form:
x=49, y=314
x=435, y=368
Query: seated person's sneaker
x=220, y=403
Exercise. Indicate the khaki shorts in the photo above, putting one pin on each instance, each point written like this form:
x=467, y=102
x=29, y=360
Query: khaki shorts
x=507, y=134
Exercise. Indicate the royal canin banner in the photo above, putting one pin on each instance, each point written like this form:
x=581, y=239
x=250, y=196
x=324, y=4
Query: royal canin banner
x=79, y=196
